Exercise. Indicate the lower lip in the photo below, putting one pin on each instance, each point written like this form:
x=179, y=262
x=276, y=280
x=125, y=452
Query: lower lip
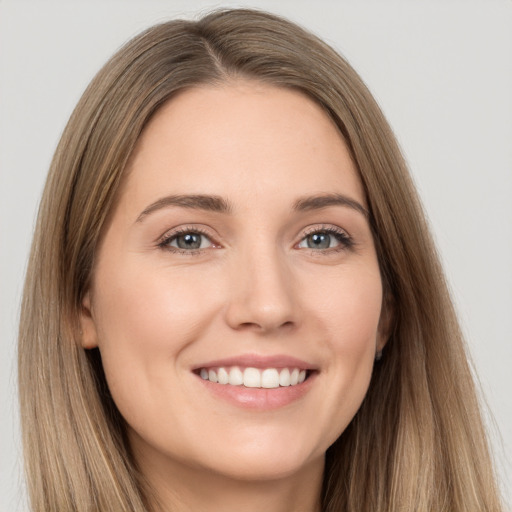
x=259, y=398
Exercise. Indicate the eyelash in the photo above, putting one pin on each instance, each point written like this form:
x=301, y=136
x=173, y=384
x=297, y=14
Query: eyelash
x=345, y=241
x=169, y=237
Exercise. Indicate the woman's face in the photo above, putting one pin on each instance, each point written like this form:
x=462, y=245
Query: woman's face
x=239, y=251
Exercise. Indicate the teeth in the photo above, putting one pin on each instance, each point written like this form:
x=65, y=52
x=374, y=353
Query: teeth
x=284, y=377
x=252, y=378
x=270, y=378
x=223, y=376
x=236, y=377
x=255, y=378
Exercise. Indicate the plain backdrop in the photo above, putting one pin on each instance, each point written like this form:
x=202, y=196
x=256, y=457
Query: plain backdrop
x=441, y=71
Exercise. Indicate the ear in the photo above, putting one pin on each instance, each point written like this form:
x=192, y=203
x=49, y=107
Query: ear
x=386, y=322
x=88, y=332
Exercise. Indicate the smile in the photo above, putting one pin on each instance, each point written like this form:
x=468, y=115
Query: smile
x=249, y=377
x=258, y=382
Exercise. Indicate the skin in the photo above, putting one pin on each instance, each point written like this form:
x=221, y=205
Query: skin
x=254, y=287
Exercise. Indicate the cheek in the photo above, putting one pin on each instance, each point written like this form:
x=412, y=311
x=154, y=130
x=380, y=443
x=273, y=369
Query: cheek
x=151, y=308
x=355, y=325
x=145, y=319
x=349, y=307
x=349, y=313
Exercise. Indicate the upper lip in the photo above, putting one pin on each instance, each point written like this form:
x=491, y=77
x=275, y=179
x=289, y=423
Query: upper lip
x=259, y=361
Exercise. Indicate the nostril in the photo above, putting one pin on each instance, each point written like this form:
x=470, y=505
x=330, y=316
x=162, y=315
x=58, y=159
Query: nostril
x=262, y=301
x=264, y=327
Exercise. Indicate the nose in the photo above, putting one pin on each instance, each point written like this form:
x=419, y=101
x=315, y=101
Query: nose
x=262, y=294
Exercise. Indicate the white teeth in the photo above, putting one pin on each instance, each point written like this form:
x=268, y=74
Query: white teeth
x=236, y=377
x=268, y=378
x=284, y=377
x=252, y=378
x=223, y=376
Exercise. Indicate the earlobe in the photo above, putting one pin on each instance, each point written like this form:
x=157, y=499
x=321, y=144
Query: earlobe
x=386, y=323
x=88, y=334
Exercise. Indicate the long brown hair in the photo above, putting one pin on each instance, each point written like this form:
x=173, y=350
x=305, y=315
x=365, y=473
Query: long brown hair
x=417, y=442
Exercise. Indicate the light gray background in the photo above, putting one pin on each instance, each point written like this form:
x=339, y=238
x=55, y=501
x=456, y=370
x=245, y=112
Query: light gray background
x=442, y=72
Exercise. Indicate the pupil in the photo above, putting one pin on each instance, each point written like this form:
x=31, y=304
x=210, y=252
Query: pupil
x=319, y=241
x=189, y=241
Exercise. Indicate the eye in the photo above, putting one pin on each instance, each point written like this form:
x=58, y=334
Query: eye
x=326, y=238
x=186, y=241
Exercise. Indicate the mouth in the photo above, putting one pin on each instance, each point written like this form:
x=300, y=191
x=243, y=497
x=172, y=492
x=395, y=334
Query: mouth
x=258, y=382
x=252, y=377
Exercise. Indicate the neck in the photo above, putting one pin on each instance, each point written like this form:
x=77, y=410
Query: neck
x=178, y=487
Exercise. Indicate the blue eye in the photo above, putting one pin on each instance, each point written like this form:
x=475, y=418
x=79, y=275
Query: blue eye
x=187, y=241
x=325, y=239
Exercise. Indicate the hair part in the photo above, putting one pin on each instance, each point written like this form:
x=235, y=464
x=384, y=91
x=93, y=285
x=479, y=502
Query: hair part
x=417, y=442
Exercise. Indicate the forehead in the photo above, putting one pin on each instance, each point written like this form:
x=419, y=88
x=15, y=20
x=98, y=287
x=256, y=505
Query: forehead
x=242, y=138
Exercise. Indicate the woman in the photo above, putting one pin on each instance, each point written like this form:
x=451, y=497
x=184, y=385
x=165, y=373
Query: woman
x=233, y=299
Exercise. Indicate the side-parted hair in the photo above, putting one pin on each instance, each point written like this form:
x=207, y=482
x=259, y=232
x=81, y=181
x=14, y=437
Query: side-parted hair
x=416, y=444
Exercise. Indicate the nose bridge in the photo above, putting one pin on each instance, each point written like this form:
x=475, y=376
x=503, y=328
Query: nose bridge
x=262, y=295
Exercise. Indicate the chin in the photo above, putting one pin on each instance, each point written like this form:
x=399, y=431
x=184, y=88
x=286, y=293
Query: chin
x=265, y=458
x=266, y=467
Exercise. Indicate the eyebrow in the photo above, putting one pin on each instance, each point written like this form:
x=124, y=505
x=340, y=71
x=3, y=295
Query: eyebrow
x=325, y=200
x=195, y=202
x=220, y=205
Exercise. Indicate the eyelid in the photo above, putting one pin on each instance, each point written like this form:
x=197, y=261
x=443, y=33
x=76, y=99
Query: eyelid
x=163, y=241
x=315, y=228
x=344, y=238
